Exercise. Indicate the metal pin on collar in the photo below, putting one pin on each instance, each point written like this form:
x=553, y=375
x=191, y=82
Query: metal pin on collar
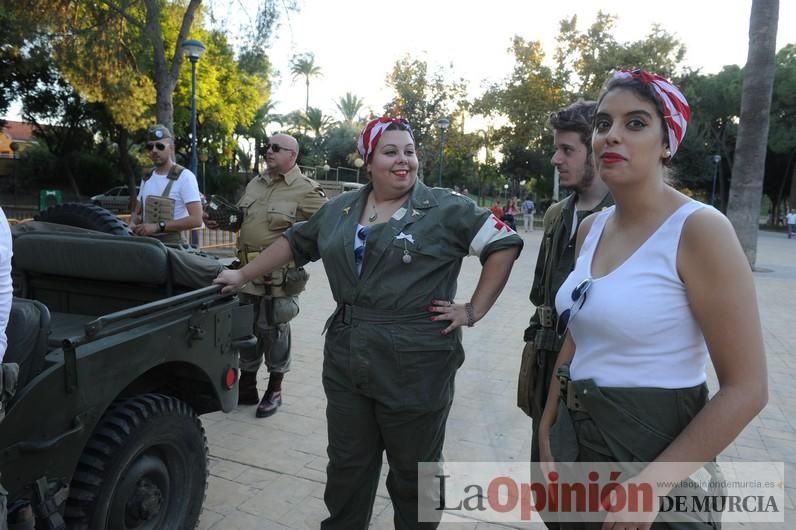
x=407, y=257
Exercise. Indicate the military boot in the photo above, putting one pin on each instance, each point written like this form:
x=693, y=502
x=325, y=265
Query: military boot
x=247, y=389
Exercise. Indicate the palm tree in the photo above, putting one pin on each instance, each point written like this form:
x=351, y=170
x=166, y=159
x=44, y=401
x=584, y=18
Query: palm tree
x=746, y=189
x=304, y=65
x=349, y=106
x=315, y=120
x=257, y=130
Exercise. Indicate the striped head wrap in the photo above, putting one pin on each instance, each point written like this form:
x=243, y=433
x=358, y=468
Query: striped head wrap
x=676, y=112
x=370, y=135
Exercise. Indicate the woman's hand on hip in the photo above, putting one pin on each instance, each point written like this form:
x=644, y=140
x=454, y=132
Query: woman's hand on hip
x=456, y=314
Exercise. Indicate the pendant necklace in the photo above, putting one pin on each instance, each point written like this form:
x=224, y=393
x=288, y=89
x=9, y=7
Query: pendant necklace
x=375, y=215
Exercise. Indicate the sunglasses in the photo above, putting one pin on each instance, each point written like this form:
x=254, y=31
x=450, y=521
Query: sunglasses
x=578, y=299
x=157, y=145
x=276, y=148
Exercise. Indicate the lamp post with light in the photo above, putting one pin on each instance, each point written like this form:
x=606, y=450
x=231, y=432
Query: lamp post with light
x=193, y=50
x=203, y=158
x=443, y=124
x=716, y=160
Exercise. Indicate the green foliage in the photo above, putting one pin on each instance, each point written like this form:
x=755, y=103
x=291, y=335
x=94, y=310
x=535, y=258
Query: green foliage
x=422, y=99
x=350, y=106
x=782, y=136
x=585, y=59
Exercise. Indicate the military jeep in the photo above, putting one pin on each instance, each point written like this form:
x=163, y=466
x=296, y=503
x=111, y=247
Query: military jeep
x=120, y=350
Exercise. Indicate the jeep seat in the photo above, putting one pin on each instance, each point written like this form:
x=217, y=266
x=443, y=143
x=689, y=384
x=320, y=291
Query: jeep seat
x=28, y=326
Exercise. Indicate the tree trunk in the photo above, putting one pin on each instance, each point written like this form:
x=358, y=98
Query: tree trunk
x=70, y=176
x=125, y=167
x=166, y=75
x=746, y=188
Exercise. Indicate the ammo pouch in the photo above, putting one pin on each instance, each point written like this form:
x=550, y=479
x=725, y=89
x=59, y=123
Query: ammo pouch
x=162, y=208
x=288, y=281
x=158, y=209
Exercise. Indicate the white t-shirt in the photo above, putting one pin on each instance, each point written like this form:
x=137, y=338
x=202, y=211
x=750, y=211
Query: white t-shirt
x=6, y=291
x=185, y=190
x=791, y=217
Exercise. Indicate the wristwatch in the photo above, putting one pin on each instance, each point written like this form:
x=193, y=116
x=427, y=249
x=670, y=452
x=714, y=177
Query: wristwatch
x=162, y=225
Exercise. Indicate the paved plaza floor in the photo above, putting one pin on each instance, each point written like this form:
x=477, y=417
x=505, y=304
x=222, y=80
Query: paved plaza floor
x=270, y=473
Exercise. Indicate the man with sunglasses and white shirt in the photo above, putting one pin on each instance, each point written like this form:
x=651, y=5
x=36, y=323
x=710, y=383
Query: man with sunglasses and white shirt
x=271, y=204
x=168, y=200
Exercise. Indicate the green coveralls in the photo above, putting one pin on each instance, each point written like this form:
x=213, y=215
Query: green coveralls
x=556, y=260
x=388, y=372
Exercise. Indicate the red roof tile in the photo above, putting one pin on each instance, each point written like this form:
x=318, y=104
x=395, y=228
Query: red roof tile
x=19, y=131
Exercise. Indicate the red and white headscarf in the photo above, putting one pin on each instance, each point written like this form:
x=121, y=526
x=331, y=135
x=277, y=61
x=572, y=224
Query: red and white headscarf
x=676, y=111
x=370, y=135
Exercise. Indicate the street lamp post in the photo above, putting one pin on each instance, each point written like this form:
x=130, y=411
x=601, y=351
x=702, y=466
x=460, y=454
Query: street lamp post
x=716, y=160
x=443, y=124
x=203, y=158
x=193, y=49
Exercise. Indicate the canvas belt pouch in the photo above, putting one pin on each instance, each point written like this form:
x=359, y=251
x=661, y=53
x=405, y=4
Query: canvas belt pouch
x=287, y=281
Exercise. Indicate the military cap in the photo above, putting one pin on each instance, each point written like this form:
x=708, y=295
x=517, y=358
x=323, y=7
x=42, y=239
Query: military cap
x=158, y=132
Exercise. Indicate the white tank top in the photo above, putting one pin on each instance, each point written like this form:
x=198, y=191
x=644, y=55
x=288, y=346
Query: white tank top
x=635, y=328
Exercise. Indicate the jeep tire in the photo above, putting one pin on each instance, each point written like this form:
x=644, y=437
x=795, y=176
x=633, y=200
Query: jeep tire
x=84, y=215
x=145, y=467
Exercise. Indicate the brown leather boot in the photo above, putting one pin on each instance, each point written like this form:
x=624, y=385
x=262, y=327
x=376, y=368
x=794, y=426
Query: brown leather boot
x=247, y=389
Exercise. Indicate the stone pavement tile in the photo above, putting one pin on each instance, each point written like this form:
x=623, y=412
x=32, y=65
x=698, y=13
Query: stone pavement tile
x=225, y=496
x=245, y=521
x=278, y=498
x=226, y=469
x=306, y=516
x=208, y=519
x=283, y=461
x=258, y=479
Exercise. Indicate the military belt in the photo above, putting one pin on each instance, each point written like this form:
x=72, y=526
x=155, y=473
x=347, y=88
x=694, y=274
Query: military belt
x=569, y=391
x=545, y=315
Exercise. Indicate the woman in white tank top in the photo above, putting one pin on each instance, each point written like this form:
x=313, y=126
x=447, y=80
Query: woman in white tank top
x=660, y=285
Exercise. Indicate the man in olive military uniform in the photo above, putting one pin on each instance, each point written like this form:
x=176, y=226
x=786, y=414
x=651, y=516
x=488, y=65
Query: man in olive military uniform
x=271, y=204
x=572, y=130
x=168, y=200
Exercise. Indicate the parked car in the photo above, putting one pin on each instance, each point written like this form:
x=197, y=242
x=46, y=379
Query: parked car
x=115, y=199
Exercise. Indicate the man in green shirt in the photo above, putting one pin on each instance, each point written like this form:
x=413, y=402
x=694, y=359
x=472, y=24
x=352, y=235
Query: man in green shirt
x=572, y=130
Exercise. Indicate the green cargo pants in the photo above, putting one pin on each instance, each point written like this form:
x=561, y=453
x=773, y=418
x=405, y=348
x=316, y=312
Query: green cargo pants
x=360, y=430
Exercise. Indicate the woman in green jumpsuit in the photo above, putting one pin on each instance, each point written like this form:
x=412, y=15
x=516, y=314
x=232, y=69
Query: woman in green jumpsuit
x=392, y=252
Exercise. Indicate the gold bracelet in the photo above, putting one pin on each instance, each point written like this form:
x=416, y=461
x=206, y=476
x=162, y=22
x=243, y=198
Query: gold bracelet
x=468, y=308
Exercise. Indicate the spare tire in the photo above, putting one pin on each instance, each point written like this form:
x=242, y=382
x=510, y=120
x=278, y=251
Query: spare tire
x=84, y=215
